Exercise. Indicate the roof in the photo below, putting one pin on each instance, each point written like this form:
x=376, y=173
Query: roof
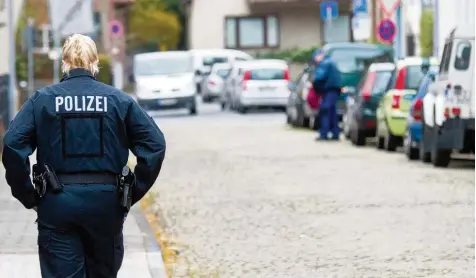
x=382, y=67
x=254, y=64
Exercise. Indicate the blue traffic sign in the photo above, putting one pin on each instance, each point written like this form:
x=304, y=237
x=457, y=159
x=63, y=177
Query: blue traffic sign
x=387, y=30
x=360, y=6
x=329, y=9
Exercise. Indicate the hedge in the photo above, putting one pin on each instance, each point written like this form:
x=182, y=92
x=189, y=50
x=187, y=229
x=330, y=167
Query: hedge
x=294, y=55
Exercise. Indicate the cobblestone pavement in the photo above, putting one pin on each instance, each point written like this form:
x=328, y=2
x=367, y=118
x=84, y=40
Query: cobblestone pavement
x=19, y=251
x=251, y=197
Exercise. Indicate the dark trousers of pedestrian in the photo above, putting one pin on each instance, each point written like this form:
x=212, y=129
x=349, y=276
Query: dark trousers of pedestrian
x=328, y=115
x=80, y=232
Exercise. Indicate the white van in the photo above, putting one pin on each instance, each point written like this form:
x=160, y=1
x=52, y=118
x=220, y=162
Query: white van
x=203, y=60
x=448, y=108
x=165, y=80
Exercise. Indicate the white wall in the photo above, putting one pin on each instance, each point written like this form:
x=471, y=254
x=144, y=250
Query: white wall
x=4, y=49
x=209, y=15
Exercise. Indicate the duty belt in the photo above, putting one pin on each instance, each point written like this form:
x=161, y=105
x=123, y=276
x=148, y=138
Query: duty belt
x=88, y=178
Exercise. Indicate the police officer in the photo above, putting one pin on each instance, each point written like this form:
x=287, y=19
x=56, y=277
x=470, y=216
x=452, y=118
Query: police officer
x=84, y=130
x=328, y=82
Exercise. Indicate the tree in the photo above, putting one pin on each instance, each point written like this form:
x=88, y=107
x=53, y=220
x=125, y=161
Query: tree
x=149, y=20
x=426, y=33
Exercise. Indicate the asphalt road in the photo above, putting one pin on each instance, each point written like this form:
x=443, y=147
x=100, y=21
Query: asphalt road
x=250, y=197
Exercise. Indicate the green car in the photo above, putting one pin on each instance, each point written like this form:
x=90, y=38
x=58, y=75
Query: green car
x=352, y=60
x=394, y=107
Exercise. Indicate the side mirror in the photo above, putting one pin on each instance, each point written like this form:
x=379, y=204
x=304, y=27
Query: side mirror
x=198, y=73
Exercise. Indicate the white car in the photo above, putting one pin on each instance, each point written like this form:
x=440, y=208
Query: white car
x=448, y=108
x=261, y=83
x=203, y=60
x=165, y=80
x=214, y=84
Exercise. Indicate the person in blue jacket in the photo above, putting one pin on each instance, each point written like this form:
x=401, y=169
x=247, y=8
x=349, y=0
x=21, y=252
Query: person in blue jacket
x=327, y=81
x=83, y=129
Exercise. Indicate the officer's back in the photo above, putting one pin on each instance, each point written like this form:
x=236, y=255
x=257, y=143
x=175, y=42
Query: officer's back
x=83, y=130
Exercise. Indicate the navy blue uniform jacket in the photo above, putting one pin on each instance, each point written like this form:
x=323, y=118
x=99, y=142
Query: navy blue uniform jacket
x=326, y=76
x=78, y=126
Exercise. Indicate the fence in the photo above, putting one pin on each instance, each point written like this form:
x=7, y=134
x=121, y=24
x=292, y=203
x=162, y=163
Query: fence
x=4, y=116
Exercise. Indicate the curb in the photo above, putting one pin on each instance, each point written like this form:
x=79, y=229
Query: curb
x=159, y=267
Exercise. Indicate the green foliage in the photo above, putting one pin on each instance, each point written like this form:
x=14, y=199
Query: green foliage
x=294, y=55
x=426, y=33
x=151, y=20
x=104, y=74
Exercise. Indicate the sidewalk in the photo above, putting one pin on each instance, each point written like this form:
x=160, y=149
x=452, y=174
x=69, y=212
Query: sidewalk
x=19, y=250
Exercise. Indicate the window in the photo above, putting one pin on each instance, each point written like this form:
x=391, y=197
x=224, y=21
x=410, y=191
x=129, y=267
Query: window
x=414, y=75
x=267, y=74
x=463, y=55
x=223, y=73
x=252, y=32
x=381, y=81
x=210, y=61
x=163, y=65
x=351, y=60
x=445, y=60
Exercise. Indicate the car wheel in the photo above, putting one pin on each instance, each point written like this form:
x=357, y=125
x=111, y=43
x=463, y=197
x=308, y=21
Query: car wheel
x=193, y=110
x=391, y=142
x=206, y=99
x=380, y=143
x=357, y=137
x=439, y=157
x=305, y=122
x=412, y=153
x=242, y=109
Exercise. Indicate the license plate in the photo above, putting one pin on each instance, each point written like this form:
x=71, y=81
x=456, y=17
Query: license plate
x=167, y=102
x=266, y=89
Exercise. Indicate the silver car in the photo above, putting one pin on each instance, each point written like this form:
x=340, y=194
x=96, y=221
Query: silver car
x=213, y=86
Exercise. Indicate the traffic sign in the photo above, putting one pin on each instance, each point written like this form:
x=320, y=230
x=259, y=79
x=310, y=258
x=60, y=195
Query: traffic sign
x=387, y=30
x=360, y=6
x=329, y=10
x=116, y=28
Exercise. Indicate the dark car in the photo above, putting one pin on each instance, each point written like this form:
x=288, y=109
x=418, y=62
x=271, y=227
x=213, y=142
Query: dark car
x=360, y=117
x=352, y=60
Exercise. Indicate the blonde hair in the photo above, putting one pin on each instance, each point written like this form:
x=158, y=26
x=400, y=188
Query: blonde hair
x=80, y=51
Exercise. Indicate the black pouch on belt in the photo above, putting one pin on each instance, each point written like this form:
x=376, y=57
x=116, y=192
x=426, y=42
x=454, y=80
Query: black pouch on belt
x=52, y=180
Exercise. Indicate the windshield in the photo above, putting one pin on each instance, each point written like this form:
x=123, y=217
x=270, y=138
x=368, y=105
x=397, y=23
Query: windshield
x=223, y=73
x=352, y=60
x=267, y=74
x=414, y=75
x=210, y=61
x=163, y=65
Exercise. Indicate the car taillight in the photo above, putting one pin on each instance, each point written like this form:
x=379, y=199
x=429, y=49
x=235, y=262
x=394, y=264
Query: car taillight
x=211, y=83
x=456, y=111
x=286, y=75
x=396, y=102
x=417, y=110
x=400, y=83
x=447, y=112
x=368, y=85
x=246, y=77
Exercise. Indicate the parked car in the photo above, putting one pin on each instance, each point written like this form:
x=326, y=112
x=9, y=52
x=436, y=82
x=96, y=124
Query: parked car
x=214, y=84
x=261, y=83
x=413, y=133
x=165, y=80
x=394, y=107
x=352, y=60
x=203, y=60
x=298, y=111
x=359, y=122
x=226, y=99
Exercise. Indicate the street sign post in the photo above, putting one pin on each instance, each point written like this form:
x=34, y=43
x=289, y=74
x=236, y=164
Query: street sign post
x=329, y=10
x=387, y=30
x=116, y=29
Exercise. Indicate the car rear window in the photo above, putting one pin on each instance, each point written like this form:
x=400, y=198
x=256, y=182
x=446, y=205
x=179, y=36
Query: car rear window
x=210, y=61
x=223, y=72
x=267, y=74
x=382, y=78
x=414, y=75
